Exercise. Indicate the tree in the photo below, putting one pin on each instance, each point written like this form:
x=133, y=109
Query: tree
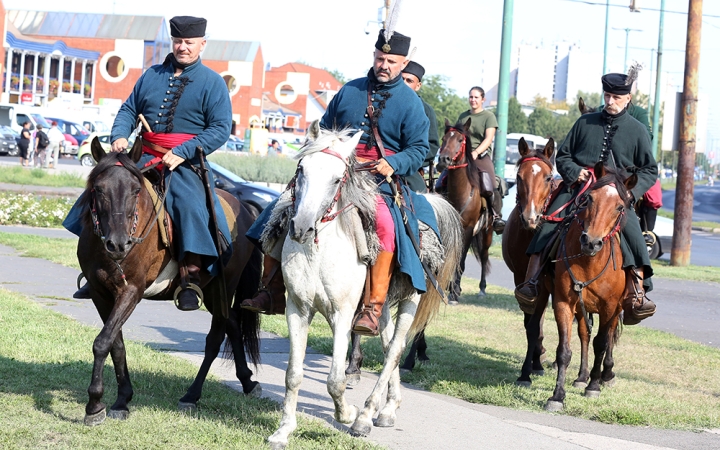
x=517, y=120
x=445, y=102
x=338, y=75
x=541, y=122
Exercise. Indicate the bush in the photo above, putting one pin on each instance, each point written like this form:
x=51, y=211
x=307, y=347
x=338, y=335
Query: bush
x=257, y=168
x=27, y=209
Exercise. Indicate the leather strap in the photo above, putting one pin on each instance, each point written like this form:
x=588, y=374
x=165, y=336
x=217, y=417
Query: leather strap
x=373, y=125
x=155, y=147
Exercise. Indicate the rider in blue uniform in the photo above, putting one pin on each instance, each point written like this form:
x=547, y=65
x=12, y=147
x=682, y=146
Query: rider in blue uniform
x=186, y=105
x=402, y=126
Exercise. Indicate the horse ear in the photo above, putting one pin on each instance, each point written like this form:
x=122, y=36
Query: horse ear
x=581, y=105
x=356, y=138
x=447, y=125
x=136, y=151
x=599, y=169
x=523, y=147
x=549, y=148
x=96, y=149
x=631, y=181
x=314, y=130
x=466, y=127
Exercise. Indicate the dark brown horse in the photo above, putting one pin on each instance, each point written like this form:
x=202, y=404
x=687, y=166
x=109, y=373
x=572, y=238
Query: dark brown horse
x=589, y=278
x=463, y=192
x=121, y=254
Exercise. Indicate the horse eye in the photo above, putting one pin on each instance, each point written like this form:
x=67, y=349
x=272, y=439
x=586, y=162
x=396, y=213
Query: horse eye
x=548, y=179
x=621, y=208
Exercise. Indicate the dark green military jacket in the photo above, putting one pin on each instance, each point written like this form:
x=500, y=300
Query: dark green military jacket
x=416, y=181
x=641, y=115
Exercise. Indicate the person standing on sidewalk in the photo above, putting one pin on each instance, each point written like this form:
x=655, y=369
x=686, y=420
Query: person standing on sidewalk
x=56, y=137
x=41, y=144
x=24, y=144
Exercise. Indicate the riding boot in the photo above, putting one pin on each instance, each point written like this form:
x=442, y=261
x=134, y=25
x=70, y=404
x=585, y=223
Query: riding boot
x=189, y=297
x=498, y=222
x=367, y=322
x=636, y=306
x=526, y=293
x=270, y=299
x=83, y=292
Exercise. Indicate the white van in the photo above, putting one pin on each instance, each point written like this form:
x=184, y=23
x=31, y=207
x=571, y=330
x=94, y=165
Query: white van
x=15, y=116
x=512, y=155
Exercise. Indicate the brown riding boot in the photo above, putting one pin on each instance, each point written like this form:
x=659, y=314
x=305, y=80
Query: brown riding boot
x=636, y=306
x=367, y=322
x=526, y=293
x=270, y=299
x=189, y=299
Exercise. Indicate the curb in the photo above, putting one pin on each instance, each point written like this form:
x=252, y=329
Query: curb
x=707, y=229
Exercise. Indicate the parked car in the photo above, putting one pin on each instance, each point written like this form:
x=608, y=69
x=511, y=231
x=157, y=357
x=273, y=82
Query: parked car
x=255, y=195
x=70, y=145
x=75, y=129
x=8, y=141
x=85, y=156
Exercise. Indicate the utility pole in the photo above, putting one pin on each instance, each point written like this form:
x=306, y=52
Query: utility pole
x=627, y=37
x=682, y=237
x=607, y=23
x=503, y=90
x=658, y=74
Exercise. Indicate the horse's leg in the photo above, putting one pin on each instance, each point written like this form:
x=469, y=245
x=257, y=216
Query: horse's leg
x=119, y=410
x=393, y=339
x=457, y=288
x=409, y=363
x=600, y=344
x=298, y=325
x=341, y=326
x=608, y=376
x=352, y=373
x=113, y=320
x=485, y=239
x=236, y=329
x=533, y=329
x=563, y=317
x=583, y=374
x=422, y=348
x=213, y=342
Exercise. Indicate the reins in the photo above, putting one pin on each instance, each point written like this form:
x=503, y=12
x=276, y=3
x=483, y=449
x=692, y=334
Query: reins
x=459, y=156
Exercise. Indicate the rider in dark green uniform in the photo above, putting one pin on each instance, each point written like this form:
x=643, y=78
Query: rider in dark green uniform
x=616, y=138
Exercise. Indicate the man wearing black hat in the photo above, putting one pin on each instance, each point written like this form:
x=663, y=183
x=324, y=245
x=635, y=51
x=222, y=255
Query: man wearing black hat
x=185, y=105
x=412, y=74
x=396, y=136
x=616, y=138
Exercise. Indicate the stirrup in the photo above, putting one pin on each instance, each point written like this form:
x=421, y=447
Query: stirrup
x=526, y=302
x=192, y=287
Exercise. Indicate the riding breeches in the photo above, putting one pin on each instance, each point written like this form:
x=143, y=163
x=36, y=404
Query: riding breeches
x=385, y=225
x=486, y=168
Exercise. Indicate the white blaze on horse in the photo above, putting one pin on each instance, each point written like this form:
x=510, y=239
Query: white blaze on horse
x=324, y=261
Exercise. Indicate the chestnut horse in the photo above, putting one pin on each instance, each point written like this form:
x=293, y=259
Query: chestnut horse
x=589, y=278
x=463, y=192
x=122, y=255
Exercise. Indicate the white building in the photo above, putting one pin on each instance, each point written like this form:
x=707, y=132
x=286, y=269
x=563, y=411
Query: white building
x=535, y=73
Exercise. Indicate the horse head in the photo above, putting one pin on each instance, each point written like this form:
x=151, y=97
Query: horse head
x=453, y=151
x=114, y=187
x=603, y=208
x=323, y=170
x=535, y=182
x=584, y=109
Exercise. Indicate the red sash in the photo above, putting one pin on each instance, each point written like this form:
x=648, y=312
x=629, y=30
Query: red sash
x=371, y=153
x=164, y=140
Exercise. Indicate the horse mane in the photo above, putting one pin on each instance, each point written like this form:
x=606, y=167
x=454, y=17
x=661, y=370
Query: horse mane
x=616, y=178
x=359, y=189
x=111, y=159
x=535, y=154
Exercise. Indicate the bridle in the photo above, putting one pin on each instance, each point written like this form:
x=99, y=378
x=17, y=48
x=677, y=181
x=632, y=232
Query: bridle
x=328, y=215
x=460, y=155
x=553, y=185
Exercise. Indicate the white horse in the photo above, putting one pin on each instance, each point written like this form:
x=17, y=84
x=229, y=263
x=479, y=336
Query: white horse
x=324, y=271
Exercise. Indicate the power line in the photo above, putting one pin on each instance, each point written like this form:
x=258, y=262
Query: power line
x=643, y=9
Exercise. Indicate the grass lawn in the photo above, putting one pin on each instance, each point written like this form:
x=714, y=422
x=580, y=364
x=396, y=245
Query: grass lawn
x=45, y=367
x=476, y=351
x=39, y=177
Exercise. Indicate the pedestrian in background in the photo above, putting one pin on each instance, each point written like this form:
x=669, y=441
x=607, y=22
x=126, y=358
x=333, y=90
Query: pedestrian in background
x=24, y=143
x=41, y=144
x=56, y=138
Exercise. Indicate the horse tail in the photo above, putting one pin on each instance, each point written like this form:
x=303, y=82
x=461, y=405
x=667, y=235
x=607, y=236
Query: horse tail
x=248, y=321
x=479, y=249
x=451, y=236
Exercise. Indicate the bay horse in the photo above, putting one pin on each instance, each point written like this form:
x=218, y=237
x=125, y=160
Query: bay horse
x=589, y=278
x=463, y=192
x=325, y=274
x=121, y=254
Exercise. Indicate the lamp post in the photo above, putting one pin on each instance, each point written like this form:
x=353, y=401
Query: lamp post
x=627, y=37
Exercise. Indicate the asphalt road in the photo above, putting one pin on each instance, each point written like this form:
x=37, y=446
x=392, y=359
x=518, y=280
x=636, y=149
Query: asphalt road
x=706, y=203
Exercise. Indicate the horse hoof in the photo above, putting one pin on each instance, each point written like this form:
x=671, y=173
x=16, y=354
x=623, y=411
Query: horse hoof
x=256, y=392
x=92, y=420
x=405, y=371
x=352, y=379
x=554, y=365
x=608, y=383
x=481, y=294
x=523, y=383
x=453, y=302
x=385, y=421
x=119, y=414
x=538, y=372
x=277, y=445
x=580, y=384
x=592, y=393
x=360, y=429
x=553, y=406
x=187, y=408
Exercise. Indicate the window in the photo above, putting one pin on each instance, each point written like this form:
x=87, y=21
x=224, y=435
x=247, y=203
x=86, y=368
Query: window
x=112, y=67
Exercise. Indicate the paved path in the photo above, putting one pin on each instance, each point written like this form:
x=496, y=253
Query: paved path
x=425, y=421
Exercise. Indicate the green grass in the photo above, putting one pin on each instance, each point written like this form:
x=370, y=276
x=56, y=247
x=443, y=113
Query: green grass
x=704, y=223
x=257, y=168
x=57, y=250
x=39, y=177
x=476, y=351
x=43, y=391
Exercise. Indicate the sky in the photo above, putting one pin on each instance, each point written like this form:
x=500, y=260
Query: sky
x=452, y=36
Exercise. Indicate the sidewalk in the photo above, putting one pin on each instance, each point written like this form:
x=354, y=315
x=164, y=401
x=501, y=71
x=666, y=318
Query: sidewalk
x=425, y=420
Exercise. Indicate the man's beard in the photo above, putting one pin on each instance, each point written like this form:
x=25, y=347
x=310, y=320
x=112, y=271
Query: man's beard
x=615, y=109
x=383, y=75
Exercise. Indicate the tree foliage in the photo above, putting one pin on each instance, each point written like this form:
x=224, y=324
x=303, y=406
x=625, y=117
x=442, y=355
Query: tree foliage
x=445, y=102
x=338, y=75
x=517, y=120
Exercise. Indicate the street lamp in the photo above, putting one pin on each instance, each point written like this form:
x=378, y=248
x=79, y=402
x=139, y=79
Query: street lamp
x=627, y=36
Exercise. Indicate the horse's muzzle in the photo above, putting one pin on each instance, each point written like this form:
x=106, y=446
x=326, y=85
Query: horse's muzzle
x=531, y=223
x=299, y=234
x=443, y=162
x=118, y=247
x=588, y=246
